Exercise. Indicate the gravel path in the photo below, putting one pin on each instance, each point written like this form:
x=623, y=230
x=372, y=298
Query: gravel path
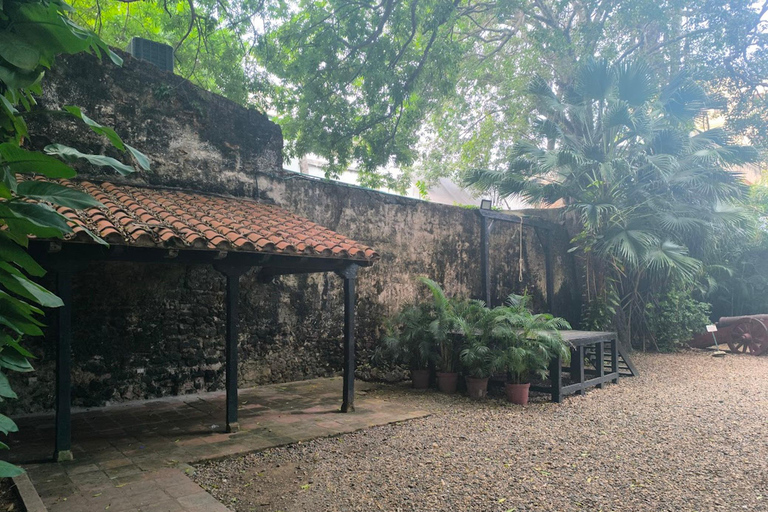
x=689, y=434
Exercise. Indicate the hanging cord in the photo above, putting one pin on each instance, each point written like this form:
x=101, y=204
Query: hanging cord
x=520, y=258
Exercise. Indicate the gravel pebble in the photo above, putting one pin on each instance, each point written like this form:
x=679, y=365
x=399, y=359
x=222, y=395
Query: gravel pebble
x=689, y=434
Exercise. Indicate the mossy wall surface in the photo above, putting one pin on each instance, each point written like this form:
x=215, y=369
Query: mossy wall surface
x=148, y=330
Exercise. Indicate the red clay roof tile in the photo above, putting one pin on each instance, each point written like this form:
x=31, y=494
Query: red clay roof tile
x=173, y=218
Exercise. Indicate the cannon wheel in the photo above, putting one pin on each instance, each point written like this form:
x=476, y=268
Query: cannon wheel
x=749, y=337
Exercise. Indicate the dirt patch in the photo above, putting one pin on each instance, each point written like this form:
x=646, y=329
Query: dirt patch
x=9, y=497
x=687, y=435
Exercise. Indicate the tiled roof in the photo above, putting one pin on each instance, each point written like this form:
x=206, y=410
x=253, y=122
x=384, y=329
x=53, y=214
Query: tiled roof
x=156, y=217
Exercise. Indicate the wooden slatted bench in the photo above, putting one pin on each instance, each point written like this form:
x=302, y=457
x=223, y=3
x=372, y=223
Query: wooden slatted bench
x=602, y=348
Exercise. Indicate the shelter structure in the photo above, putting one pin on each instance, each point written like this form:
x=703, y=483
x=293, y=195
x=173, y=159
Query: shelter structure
x=232, y=234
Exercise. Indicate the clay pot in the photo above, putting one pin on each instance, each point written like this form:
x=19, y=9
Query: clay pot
x=420, y=379
x=446, y=382
x=517, y=393
x=477, y=388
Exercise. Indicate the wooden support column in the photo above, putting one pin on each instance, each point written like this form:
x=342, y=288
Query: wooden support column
x=349, y=275
x=577, y=366
x=556, y=378
x=232, y=301
x=63, y=444
x=615, y=359
x=600, y=360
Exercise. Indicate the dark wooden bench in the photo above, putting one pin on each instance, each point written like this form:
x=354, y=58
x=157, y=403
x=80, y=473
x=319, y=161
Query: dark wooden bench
x=600, y=347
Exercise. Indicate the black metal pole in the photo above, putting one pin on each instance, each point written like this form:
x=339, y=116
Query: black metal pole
x=485, y=269
x=63, y=446
x=232, y=300
x=348, y=395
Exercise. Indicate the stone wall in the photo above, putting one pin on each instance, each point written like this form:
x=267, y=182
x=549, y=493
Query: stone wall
x=147, y=330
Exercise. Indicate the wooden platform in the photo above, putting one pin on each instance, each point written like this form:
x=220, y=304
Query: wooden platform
x=602, y=349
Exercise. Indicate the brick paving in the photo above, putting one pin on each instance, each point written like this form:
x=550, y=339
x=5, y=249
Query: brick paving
x=134, y=457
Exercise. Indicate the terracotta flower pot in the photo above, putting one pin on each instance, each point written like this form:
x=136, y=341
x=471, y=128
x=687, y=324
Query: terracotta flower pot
x=420, y=379
x=517, y=393
x=446, y=382
x=477, y=388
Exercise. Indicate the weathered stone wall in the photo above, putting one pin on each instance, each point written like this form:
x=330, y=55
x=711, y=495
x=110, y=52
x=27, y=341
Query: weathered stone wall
x=144, y=330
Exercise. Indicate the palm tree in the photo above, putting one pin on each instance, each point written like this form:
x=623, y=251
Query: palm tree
x=651, y=192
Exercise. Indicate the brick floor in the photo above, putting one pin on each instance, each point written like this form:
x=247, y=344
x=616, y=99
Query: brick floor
x=134, y=457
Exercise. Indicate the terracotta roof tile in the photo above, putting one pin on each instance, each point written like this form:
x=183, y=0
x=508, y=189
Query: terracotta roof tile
x=154, y=217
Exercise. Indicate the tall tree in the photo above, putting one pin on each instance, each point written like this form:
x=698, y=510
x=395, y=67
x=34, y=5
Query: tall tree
x=651, y=194
x=366, y=81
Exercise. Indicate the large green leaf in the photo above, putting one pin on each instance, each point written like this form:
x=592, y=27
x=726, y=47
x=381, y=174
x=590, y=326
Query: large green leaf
x=5, y=387
x=70, y=154
x=19, y=284
x=17, y=52
x=57, y=194
x=7, y=425
x=8, y=470
x=32, y=162
x=108, y=132
x=11, y=251
x=140, y=157
x=7, y=340
x=41, y=215
x=16, y=362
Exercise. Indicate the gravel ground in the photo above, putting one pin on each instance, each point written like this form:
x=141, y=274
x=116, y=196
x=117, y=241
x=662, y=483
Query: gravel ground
x=689, y=434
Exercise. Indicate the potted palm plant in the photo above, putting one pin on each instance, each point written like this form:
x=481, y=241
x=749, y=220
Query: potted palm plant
x=442, y=328
x=409, y=342
x=476, y=356
x=527, y=344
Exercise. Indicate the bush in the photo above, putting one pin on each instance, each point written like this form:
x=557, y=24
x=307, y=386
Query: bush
x=674, y=319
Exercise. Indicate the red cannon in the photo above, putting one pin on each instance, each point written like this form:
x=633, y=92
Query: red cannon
x=744, y=334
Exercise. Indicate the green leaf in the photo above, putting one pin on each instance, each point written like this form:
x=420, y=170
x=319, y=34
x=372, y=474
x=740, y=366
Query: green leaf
x=5, y=387
x=140, y=157
x=31, y=162
x=19, y=284
x=57, y=194
x=7, y=425
x=3, y=446
x=17, y=79
x=17, y=52
x=8, y=341
x=11, y=251
x=16, y=362
x=108, y=132
x=8, y=470
x=69, y=153
x=41, y=215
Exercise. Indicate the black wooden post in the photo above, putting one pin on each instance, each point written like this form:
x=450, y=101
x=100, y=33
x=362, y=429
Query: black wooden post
x=556, y=378
x=232, y=301
x=599, y=361
x=577, y=364
x=615, y=359
x=63, y=445
x=349, y=275
x=485, y=268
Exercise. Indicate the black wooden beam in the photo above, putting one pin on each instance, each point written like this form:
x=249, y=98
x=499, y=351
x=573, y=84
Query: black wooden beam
x=63, y=443
x=76, y=252
x=232, y=301
x=349, y=275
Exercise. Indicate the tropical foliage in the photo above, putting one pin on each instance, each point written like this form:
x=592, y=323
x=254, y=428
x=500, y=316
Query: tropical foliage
x=526, y=343
x=652, y=194
x=32, y=34
x=449, y=330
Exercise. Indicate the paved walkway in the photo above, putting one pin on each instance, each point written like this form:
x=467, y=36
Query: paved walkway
x=134, y=457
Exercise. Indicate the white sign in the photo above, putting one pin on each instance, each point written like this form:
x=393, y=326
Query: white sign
x=712, y=328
